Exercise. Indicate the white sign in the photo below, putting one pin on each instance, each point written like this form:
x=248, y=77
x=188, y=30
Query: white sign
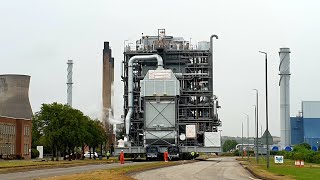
x=278, y=159
x=40, y=149
x=191, y=131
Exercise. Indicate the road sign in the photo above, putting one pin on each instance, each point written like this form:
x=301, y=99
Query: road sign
x=266, y=135
x=278, y=159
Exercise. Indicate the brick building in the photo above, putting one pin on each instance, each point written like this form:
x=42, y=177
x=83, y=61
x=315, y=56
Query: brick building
x=15, y=116
x=15, y=137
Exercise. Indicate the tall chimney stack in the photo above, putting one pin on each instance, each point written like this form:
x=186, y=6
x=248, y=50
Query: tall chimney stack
x=69, y=82
x=284, y=84
x=107, y=82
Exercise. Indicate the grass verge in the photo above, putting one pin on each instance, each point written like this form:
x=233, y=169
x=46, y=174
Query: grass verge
x=119, y=173
x=25, y=165
x=284, y=171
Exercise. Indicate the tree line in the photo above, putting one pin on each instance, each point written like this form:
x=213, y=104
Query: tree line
x=62, y=129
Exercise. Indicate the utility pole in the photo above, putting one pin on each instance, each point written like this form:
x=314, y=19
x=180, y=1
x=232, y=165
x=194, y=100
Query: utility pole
x=267, y=128
x=257, y=124
x=242, y=139
x=248, y=141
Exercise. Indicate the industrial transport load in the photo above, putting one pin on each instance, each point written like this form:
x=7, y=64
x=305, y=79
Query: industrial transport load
x=169, y=102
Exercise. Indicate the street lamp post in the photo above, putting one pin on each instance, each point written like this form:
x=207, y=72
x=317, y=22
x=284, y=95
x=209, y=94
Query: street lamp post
x=248, y=134
x=257, y=124
x=242, y=139
x=267, y=128
x=256, y=140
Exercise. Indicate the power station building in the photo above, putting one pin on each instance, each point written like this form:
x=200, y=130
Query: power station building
x=305, y=127
x=15, y=116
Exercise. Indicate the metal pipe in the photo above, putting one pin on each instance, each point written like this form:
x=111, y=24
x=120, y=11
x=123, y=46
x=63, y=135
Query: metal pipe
x=211, y=54
x=130, y=83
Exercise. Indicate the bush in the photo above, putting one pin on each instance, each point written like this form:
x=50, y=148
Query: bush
x=316, y=158
x=272, y=153
x=236, y=153
x=34, y=153
x=305, y=145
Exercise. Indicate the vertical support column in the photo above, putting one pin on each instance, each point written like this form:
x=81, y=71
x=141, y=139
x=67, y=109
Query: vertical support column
x=284, y=84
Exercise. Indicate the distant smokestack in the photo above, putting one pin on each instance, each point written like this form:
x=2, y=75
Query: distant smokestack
x=107, y=82
x=69, y=82
x=284, y=84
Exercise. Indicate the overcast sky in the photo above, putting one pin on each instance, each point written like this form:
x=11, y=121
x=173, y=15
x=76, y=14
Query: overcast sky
x=37, y=38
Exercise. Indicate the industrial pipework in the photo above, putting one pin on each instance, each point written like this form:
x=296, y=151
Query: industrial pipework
x=69, y=82
x=130, y=83
x=284, y=84
x=211, y=54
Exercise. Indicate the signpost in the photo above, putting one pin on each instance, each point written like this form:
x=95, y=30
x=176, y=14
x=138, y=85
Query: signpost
x=278, y=159
x=266, y=135
x=267, y=140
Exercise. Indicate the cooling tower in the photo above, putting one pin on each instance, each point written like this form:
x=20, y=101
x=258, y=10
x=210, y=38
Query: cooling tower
x=14, y=96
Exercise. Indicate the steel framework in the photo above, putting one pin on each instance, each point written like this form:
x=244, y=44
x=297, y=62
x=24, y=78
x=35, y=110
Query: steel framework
x=196, y=103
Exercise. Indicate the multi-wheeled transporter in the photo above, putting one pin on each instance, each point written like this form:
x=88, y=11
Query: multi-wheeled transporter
x=168, y=96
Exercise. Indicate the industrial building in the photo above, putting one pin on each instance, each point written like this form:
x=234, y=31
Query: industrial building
x=305, y=127
x=15, y=116
x=169, y=95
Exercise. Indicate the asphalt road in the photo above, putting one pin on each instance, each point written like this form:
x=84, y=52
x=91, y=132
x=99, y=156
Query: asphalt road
x=60, y=171
x=216, y=168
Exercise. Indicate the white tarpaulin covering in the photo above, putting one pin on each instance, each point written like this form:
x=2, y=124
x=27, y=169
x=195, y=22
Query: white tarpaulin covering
x=191, y=131
x=212, y=139
x=160, y=74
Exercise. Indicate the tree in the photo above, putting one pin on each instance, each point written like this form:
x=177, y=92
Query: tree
x=98, y=134
x=60, y=128
x=229, y=145
x=305, y=145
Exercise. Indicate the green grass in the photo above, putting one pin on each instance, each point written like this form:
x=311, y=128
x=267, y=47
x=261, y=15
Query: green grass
x=23, y=165
x=309, y=171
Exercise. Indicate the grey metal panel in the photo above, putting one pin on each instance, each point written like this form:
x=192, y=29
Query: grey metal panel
x=159, y=88
x=166, y=85
x=133, y=149
x=161, y=114
x=160, y=137
x=311, y=109
x=200, y=149
x=14, y=96
x=160, y=134
x=212, y=139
